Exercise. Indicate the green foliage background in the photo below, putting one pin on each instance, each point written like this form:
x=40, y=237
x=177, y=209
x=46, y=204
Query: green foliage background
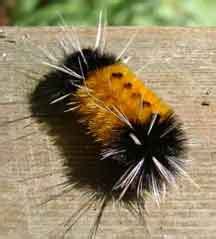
x=120, y=12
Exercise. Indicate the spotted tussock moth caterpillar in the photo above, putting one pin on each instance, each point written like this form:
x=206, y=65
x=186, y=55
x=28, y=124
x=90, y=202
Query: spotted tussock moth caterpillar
x=141, y=141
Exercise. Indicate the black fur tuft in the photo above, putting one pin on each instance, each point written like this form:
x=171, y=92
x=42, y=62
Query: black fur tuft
x=164, y=143
x=94, y=60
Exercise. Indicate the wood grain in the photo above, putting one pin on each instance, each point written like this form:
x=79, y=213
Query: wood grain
x=179, y=64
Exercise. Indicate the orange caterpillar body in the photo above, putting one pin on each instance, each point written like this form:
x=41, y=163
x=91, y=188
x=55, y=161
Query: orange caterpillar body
x=114, y=92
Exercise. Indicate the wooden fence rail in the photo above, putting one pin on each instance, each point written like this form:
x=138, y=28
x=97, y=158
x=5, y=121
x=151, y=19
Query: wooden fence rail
x=178, y=63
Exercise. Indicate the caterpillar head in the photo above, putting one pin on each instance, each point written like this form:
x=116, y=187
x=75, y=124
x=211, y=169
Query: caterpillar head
x=151, y=154
x=89, y=60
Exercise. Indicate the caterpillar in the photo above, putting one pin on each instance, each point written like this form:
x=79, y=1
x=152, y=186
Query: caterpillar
x=142, y=144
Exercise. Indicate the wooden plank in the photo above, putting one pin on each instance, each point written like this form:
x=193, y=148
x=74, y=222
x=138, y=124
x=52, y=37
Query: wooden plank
x=179, y=64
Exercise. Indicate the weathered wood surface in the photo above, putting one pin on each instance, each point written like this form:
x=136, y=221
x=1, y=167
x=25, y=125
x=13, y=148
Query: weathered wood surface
x=180, y=64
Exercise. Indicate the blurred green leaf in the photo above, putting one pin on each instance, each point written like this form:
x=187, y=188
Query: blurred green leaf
x=120, y=12
x=50, y=15
x=24, y=7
